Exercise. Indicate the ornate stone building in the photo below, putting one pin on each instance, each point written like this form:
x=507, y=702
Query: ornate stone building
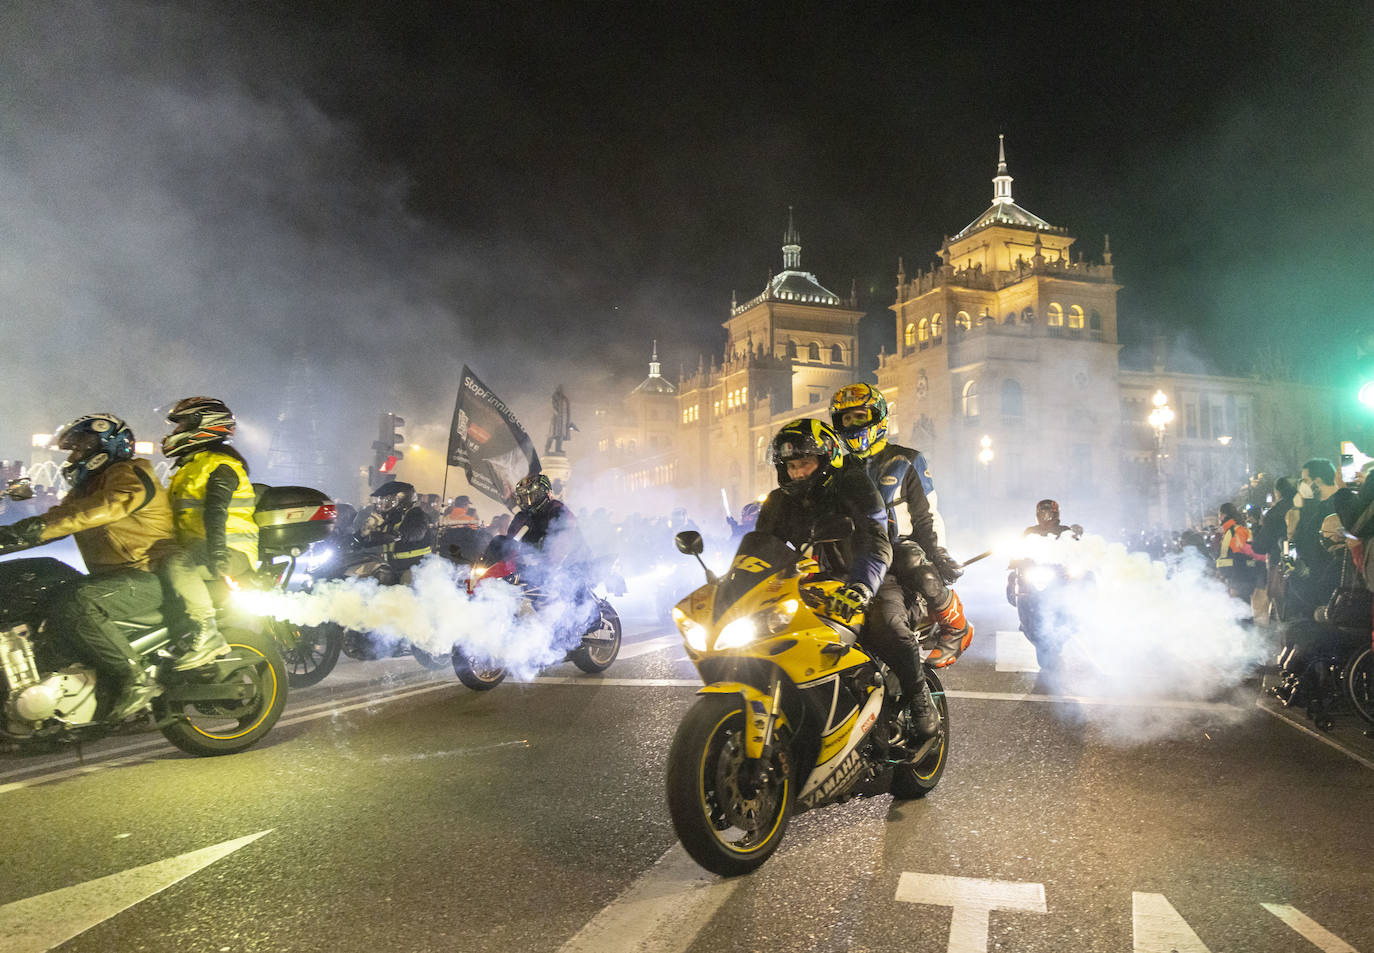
x=1007, y=373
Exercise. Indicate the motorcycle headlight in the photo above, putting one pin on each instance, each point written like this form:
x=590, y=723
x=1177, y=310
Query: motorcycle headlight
x=780, y=616
x=1040, y=576
x=693, y=632
x=737, y=633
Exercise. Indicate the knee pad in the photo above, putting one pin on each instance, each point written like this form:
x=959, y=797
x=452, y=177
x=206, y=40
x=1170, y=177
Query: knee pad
x=930, y=585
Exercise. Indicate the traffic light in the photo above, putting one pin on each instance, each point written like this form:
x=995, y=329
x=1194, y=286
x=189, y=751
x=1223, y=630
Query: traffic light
x=387, y=449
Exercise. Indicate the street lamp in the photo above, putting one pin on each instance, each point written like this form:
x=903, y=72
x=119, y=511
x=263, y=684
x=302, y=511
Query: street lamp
x=1160, y=418
x=985, y=455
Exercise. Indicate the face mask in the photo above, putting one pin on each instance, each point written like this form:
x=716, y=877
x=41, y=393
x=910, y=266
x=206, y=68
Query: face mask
x=1305, y=490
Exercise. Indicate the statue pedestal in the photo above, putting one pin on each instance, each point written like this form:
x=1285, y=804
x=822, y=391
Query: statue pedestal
x=556, y=468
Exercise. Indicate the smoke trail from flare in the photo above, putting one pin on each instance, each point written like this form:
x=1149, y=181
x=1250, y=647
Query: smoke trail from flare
x=434, y=613
x=1146, y=630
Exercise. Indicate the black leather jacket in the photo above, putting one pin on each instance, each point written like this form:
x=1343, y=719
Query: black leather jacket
x=865, y=556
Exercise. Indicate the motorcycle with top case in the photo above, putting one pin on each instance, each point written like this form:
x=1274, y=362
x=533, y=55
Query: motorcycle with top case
x=794, y=714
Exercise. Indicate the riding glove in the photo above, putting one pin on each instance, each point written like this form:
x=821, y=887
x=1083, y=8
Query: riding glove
x=26, y=532
x=849, y=601
x=946, y=565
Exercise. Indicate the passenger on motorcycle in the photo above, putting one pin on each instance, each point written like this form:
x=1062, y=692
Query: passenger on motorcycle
x=397, y=526
x=212, y=502
x=920, y=565
x=813, y=484
x=121, y=519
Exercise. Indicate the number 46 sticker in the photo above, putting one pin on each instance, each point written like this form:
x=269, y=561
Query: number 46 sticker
x=750, y=564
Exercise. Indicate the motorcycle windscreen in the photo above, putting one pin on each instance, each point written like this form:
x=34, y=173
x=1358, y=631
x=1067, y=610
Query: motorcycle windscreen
x=759, y=556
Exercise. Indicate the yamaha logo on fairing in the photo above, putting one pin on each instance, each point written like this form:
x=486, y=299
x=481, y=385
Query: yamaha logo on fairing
x=839, y=780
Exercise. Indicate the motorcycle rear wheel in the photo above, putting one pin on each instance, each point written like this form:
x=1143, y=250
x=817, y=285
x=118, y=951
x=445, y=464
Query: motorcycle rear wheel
x=919, y=779
x=593, y=657
x=478, y=676
x=720, y=828
x=312, y=654
x=207, y=729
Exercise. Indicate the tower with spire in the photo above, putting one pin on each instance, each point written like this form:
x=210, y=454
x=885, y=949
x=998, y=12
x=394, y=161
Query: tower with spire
x=1007, y=327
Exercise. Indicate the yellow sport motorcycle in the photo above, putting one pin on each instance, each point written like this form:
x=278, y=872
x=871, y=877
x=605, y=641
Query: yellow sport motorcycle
x=794, y=714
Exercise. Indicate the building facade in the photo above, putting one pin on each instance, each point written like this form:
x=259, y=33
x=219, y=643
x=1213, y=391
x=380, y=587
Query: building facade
x=1007, y=373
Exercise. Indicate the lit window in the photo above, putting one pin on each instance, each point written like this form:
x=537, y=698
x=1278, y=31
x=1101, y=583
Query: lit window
x=962, y=321
x=1055, y=317
x=937, y=326
x=1076, y=317
x=910, y=339
x=923, y=331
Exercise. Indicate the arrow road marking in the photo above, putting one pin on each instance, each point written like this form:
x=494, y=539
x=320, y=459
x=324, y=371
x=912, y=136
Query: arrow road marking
x=1158, y=928
x=1309, y=929
x=662, y=911
x=40, y=923
x=973, y=901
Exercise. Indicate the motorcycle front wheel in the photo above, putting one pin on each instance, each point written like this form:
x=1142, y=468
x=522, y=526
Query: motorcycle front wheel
x=478, y=676
x=728, y=822
x=919, y=778
x=250, y=685
x=311, y=654
x=593, y=657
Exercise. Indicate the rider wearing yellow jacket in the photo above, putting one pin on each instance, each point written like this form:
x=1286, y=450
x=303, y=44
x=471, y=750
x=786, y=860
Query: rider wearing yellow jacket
x=212, y=507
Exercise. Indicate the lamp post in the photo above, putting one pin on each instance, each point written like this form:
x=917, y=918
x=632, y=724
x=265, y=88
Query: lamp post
x=1160, y=418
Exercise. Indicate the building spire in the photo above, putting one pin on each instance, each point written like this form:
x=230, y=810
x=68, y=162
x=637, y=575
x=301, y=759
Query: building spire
x=655, y=367
x=1001, y=183
x=791, y=245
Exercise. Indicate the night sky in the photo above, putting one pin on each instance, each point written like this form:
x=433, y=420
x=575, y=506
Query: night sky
x=210, y=197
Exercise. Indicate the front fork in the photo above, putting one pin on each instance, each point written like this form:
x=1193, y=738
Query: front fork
x=762, y=715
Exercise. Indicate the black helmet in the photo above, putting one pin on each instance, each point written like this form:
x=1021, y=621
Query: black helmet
x=1047, y=511
x=805, y=438
x=393, y=494
x=93, y=442
x=199, y=422
x=532, y=492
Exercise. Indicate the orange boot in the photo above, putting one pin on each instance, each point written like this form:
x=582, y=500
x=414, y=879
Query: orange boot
x=955, y=632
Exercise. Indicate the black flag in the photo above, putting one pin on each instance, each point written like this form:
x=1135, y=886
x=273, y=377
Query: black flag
x=488, y=442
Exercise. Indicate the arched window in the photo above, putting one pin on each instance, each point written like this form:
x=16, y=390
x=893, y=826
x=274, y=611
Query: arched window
x=1011, y=398
x=1010, y=318
x=962, y=321
x=1027, y=315
x=1055, y=317
x=910, y=336
x=791, y=349
x=813, y=352
x=761, y=449
x=937, y=326
x=1094, y=320
x=1076, y=317
x=971, y=399
x=923, y=330
x=836, y=354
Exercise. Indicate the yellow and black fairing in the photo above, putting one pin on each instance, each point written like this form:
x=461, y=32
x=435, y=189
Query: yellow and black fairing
x=760, y=632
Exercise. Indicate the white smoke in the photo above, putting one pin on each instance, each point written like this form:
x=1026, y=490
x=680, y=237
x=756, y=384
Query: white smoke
x=1158, y=633
x=434, y=612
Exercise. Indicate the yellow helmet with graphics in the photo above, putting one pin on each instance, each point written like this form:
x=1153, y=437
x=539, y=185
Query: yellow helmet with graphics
x=859, y=415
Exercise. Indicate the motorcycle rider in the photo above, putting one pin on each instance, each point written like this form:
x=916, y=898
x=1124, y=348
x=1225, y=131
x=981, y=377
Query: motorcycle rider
x=920, y=564
x=121, y=518
x=544, y=523
x=397, y=526
x=1047, y=522
x=212, y=503
x=814, y=484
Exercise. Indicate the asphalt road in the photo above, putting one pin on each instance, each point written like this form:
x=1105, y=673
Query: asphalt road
x=395, y=810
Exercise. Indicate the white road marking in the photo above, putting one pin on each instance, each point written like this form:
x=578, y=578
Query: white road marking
x=973, y=901
x=661, y=912
x=636, y=649
x=1259, y=703
x=1158, y=928
x=1015, y=653
x=1310, y=930
x=47, y=920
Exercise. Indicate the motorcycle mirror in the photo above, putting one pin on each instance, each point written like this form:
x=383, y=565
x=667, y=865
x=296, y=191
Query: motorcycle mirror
x=20, y=489
x=832, y=528
x=689, y=542
x=1077, y=530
